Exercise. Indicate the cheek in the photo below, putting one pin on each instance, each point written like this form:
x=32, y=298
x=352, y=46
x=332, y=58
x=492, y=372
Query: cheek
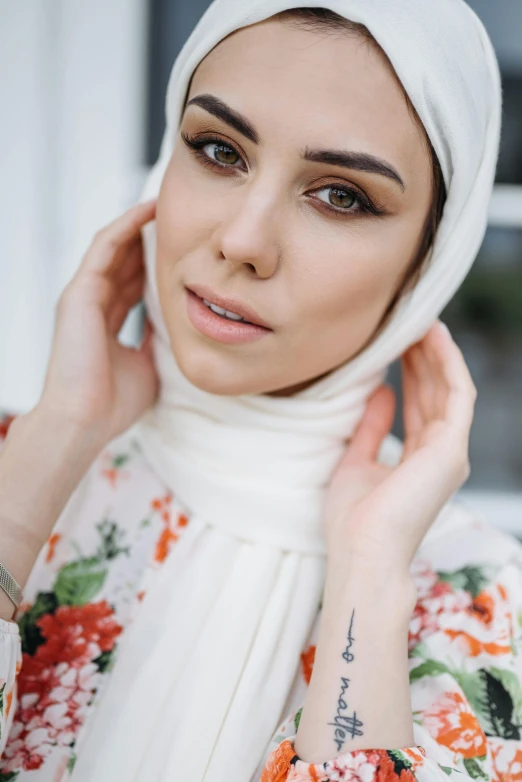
x=187, y=209
x=352, y=277
x=177, y=215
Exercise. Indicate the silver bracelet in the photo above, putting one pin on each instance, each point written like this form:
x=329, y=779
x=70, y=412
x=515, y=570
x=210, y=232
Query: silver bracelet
x=10, y=586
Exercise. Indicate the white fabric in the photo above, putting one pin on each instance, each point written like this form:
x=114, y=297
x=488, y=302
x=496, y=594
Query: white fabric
x=255, y=467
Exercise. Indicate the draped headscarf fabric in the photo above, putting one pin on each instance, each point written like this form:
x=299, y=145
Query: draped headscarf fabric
x=252, y=469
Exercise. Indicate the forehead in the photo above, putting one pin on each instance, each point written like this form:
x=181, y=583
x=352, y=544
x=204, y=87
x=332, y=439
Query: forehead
x=329, y=89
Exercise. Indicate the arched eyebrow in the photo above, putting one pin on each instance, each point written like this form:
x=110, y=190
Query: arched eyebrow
x=224, y=112
x=358, y=161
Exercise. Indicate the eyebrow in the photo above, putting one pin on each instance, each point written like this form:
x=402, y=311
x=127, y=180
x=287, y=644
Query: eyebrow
x=358, y=161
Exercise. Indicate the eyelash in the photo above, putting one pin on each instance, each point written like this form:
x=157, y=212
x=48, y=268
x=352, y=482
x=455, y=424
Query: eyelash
x=196, y=144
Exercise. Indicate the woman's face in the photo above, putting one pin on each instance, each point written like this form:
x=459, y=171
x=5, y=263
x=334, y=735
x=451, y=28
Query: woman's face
x=305, y=200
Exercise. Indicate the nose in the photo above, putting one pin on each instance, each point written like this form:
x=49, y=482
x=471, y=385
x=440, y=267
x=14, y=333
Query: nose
x=248, y=232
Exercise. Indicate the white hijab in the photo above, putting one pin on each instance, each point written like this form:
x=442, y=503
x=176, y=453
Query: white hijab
x=257, y=466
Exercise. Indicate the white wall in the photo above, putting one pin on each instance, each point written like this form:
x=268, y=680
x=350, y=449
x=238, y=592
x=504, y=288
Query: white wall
x=72, y=92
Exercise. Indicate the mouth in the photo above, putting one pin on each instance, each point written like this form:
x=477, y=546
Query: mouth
x=220, y=324
x=227, y=307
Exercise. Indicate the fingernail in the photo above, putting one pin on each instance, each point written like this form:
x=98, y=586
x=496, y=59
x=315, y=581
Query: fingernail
x=445, y=328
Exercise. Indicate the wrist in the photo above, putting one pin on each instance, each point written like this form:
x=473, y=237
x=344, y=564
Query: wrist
x=74, y=439
x=379, y=585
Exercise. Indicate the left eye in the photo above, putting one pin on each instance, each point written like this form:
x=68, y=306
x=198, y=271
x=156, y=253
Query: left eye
x=221, y=153
x=339, y=197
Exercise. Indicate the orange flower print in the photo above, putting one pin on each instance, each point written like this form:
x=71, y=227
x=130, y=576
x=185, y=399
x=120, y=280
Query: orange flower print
x=165, y=540
x=8, y=702
x=51, y=546
x=507, y=761
x=452, y=723
x=168, y=535
x=416, y=756
x=307, y=663
x=493, y=620
x=278, y=763
x=112, y=467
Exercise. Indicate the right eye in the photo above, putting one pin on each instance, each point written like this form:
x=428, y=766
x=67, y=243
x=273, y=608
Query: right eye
x=221, y=153
x=213, y=151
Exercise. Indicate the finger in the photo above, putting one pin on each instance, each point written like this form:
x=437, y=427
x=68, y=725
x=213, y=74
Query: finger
x=412, y=414
x=374, y=426
x=122, y=306
x=148, y=334
x=130, y=264
x=133, y=286
x=462, y=393
x=436, y=361
x=423, y=378
x=108, y=240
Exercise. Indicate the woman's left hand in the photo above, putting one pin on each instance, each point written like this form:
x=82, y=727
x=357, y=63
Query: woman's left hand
x=377, y=515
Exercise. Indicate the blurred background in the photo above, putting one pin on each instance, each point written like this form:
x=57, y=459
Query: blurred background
x=82, y=86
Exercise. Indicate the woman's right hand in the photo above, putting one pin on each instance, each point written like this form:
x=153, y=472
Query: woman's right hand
x=92, y=380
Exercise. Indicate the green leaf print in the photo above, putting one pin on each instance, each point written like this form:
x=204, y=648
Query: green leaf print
x=111, y=537
x=78, y=582
x=9, y=777
x=420, y=650
x=447, y=770
x=472, y=579
x=495, y=697
x=474, y=769
x=45, y=603
x=511, y=683
x=400, y=761
x=474, y=687
x=2, y=699
x=297, y=718
x=429, y=668
x=503, y=692
x=104, y=661
x=71, y=762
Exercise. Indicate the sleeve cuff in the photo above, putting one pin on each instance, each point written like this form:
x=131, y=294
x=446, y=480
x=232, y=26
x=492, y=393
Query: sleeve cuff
x=283, y=765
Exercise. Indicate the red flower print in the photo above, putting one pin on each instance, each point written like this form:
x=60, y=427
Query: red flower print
x=307, y=663
x=5, y=423
x=436, y=600
x=57, y=683
x=365, y=765
x=77, y=634
x=50, y=715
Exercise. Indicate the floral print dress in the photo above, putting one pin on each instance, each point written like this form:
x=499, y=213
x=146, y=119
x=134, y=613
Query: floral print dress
x=465, y=641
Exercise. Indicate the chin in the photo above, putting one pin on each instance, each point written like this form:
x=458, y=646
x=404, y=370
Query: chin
x=213, y=373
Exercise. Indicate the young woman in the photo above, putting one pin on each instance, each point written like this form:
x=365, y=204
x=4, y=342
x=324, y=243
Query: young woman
x=231, y=570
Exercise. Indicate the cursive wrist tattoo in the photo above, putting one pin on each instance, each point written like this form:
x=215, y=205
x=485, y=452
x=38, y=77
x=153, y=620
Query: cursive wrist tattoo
x=345, y=724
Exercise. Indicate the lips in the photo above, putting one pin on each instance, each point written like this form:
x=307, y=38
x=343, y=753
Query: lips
x=219, y=328
x=230, y=304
